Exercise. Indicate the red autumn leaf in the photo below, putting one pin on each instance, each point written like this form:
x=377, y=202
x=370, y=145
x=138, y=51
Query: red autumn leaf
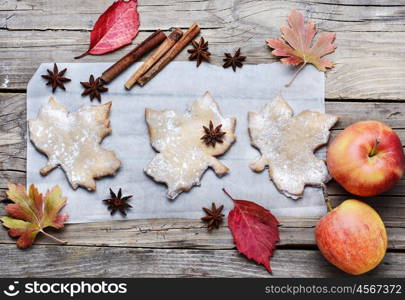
x=254, y=230
x=296, y=46
x=115, y=28
x=31, y=213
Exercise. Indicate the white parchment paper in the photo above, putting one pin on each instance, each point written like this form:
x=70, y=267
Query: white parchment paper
x=176, y=87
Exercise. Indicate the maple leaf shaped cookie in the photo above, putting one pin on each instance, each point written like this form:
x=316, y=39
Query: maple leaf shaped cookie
x=72, y=141
x=184, y=156
x=287, y=144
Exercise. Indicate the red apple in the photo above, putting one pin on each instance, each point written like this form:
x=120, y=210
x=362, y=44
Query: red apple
x=352, y=237
x=366, y=158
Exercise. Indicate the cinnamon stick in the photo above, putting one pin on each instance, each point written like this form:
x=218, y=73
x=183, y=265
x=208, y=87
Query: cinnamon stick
x=168, y=43
x=190, y=34
x=148, y=44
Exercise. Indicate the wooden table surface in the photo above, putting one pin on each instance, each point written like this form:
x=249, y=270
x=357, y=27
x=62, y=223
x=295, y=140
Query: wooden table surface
x=368, y=82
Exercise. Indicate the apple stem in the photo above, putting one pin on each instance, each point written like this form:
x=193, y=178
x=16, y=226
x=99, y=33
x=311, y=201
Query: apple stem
x=326, y=197
x=374, y=150
x=328, y=205
x=226, y=193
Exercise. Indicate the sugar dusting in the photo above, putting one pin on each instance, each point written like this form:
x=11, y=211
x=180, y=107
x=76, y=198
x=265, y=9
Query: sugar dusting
x=71, y=140
x=287, y=145
x=183, y=157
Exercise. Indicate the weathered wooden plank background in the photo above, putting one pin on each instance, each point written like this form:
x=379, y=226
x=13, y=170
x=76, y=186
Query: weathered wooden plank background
x=368, y=82
x=370, y=62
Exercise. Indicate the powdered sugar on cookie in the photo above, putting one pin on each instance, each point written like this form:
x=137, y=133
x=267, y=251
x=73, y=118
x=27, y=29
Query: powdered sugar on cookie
x=72, y=141
x=183, y=156
x=287, y=144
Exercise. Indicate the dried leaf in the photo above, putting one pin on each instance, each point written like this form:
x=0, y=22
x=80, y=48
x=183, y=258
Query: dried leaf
x=183, y=156
x=115, y=28
x=255, y=231
x=287, y=144
x=31, y=213
x=295, y=46
x=72, y=140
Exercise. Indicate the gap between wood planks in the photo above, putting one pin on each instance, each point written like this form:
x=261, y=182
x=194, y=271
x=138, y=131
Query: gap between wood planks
x=292, y=247
x=24, y=91
x=357, y=5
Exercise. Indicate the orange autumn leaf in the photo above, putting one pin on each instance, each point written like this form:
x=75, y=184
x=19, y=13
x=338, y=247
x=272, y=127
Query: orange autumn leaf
x=31, y=213
x=296, y=44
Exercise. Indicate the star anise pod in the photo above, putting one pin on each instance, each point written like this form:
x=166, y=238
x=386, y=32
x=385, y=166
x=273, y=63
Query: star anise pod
x=200, y=51
x=117, y=202
x=214, y=216
x=234, y=61
x=94, y=88
x=213, y=135
x=55, y=78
